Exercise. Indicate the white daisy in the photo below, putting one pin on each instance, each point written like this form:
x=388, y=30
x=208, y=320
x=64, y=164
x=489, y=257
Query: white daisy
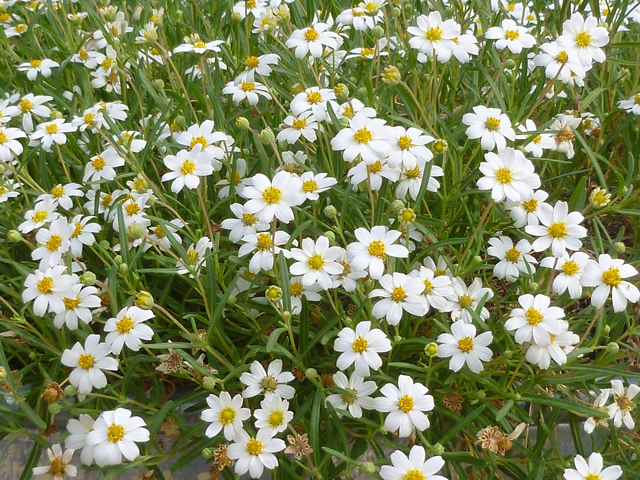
x=103, y=166
x=361, y=347
x=9, y=145
x=36, y=66
x=491, y=126
x=313, y=184
x=413, y=467
x=88, y=363
x=592, y=470
x=244, y=89
x=570, y=270
x=48, y=288
x=512, y=36
x=526, y=210
x=293, y=127
x=77, y=305
x=77, y=439
x=358, y=397
x=196, y=256
x=253, y=454
x=561, y=344
x=316, y=100
x=187, y=167
x=463, y=346
x=273, y=416
x=585, y=37
x=312, y=40
x=59, y=464
x=561, y=63
x=373, y=247
x=536, y=321
x=53, y=242
x=269, y=198
x=259, y=65
x=539, y=141
x=508, y=175
x=632, y=105
x=298, y=290
x=400, y=292
x=620, y=409
x=364, y=137
x=436, y=288
x=31, y=105
x=408, y=147
x=224, y=413
x=266, y=247
x=560, y=230
x=513, y=260
x=466, y=298
x=48, y=133
x=373, y=173
x=316, y=261
x=243, y=225
x=63, y=193
x=607, y=276
x=43, y=212
x=83, y=233
x=128, y=328
x=260, y=381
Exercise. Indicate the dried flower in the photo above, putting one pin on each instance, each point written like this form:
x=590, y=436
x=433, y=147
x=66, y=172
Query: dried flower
x=220, y=458
x=495, y=440
x=52, y=392
x=453, y=402
x=298, y=445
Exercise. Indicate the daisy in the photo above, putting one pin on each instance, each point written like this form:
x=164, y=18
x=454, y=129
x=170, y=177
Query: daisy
x=361, y=347
x=355, y=107
x=564, y=135
x=59, y=464
x=128, y=328
x=259, y=65
x=88, y=363
x=53, y=241
x=48, y=288
x=103, y=166
x=512, y=36
x=526, y=210
x=194, y=44
x=436, y=288
x=245, y=89
x=561, y=63
x=410, y=181
x=536, y=321
x=513, y=260
x=9, y=145
x=592, y=470
x=364, y=137
x=632, y=105
x=114, y=434
x=77, y=305
x=204, y=136
x=373, y=173
x=598, y=404
x=585, y=37
x=539, y=142
x=465, y=299
x=570, y=270
x=225, y=413
x=312, y=40
x=31, y=105
x=607, y=276
x=400, y=292
x=187, y=167
x=297, y=290
x=313, y=184
x=196, y=256
x=63, y=193
x=133, y=209
x=48, y=133
x=9, y=189
x=239, y=181
x=408, y=147
x=243, y=225
x=508, y=175
x=273, y=416
x=413, y=467
x=560, y=230
x=269, y=198
x=463, y=346
x=254, y=454
x=432, y=36
x=620, y=409
x=261, y=381
x=157, y=234
x=316, y=261
x=8, y=111
x=255, y=7
x=561, y=344
x=36, y=66
x=316, y=100
x=294, y=127
x=77, y=439
x=348, y=278
x=83, y=233
x=373, y=247
x=266, y=247
x=406, y=405
x=43, y=213
x=358, y=397
x=491, y=126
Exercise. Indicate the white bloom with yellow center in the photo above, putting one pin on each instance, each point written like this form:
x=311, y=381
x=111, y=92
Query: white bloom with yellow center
x=128, y=328
x=83, y=233
x=361, y=347
x=266, y=247
x=433, y=36
x=293, y=127
x=31, y=105
x=77, y=305
x=585, y=37
x=36, y=66
x=364, y=137
x=592, y=470
x=48, y=133
x=273, y=380
x=466, y=298
x=508, y=174
x=463, y=346
x=259, y=65
x=59, y=464
x=526, y=210
x=9, y=145
x=513, y=259
x=224, y=413
x=620, y=409
x=273, y=416
x=273, y=198
x=53, y=242
x=358, y=397
x=243, y=225
x=114, y=435
x=539, y=141
x=316, y=261
x=48, y=288
x=570, y=270
x=207, y=138
x=400, y=293
x=62, y=194
x=196, y=256
x=560, y=230
x=187, y=167
x=512, y=36
x=88, y=363
x=253, y=454
x=411, y=180
x=491, y=126
x=246, y=89
x=561, y=63
x=436, y=288
x=561, y=343
x=102, y=166
x=632, y=105
x=195, y=45
x=43, y=212
x=406, y=404
x=536, y=321
x=313, y=184
x=373, y=248
x=312, y=40
x=373, y=173
x=413, y=467
x=607, y=275
x=316, y=100
x=408, y=147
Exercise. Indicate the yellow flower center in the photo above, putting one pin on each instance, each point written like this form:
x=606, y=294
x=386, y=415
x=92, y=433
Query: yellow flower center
x=269, y=384
x=115, y=433
x=276, y=418
x=413, y=173
x=200, y=44
x=192, y=254
x=600, y=198
x=350, y=399
x=272, y=195
x=557, y=230
x=51, y=128
x=199, y=140
x=71, y=303
x=413, y=474
x=3, y=138
x=398, y=294
x=310, y=35
x=511, y=7
x=375, y=167
x=124, y=325
x=315, y=262
x=593, y=476
x=367, y=52
x=84, y=56
x=513, y=255
x=363, y=135
x=39, y=216
x=492, y=124
x=504, y=175
x=314, y=97
x=45, y=285
x=511, y=34
x=296, y=289
x=57, y=191
x=54, y=243
x=57, y=469
x=254, y=447
x=357, y=13
x=537, y=139
x=248, y=86
x=570, y=268
x=360, y=345
x=132, y=208
x=35, y=63
x=3, y=190
x=85, y=361
x=636, y=99
x=264, y=241
x=249, y=219
x=612, y=277
x=309, y=186
x=428, y=287
x=377, y=249
x=21, y=28
x=98, y=164
x=465, y=301
x=434, y=34
x=26, y=105
x=624, y=403
x=348, y=112
x=188, y=167
x=405, y=142
x=530, y=205
x=583, y=39
x=4, y=17
x=405, y=403
x=299, y=123
x=533, y=316
x=565, y=135
x=465, y=344
x=106, y=63
x=252, y=62
x=439, y=272
x=106, y=200
x=227, y=415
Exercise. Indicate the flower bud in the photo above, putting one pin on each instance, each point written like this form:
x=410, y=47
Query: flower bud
x=348, y=322
x=236, y=17
x=136, y=231
x=341, y=91
x=54, y=408
x=274, y=293
x=209, y=384
x=606, y=329
x=3, y=373
x=242, y=123
x=144, y=300
x=397, y=205
x=343, y=122
x=480, y=395
x=207, y=453
x=391, y=75
x=70, y=390
x=311, y=373
x=181, y=122
x=55, y=115
x=368, y=468
x=440, y=146
x=286, y=316
x=88, y=279
x=123, y=268
x=613, y=348
x=533, y=287
x=407, y=215
x=14, y=236
x=117, y=260
x=510, y=64
x=369, y=284
x=105, y=244
x=158, y=84
x=397, y=339
x=619, y=247
x=178, y=15
x=329, y=211
x=408, y=9
x=232, y=300
x=431, y=350
x=476, y=260
x=362, y=92
x=436, y=449
x=599, y=197
x=377, y=32
x=266, y=136
x=508, y=354
x=331, y=236
x=2, y=169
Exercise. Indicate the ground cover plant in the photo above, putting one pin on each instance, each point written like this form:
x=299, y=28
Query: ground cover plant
x=383, y=239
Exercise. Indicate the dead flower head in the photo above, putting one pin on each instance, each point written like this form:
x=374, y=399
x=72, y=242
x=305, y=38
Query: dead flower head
x=495, y=440
x=298, y=445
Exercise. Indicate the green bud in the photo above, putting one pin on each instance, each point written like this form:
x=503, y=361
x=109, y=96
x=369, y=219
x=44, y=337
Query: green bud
x=123, y=268
x=266, y=136
x=343, y=122
x=286, y=315
x=330, y=211
x=117, y=260
x=619, y=247
x=363, y=92
x=606, y=329
x=158, y=84
x=331, y=236
x=181, y=122
x=397, y=205
x=311, y=373
x=144, y=300
x=136, y=231
x=3, y=373
x=209, y=384
x=508, y=354
x=54, y=408
x=232, y=300
x=70, y=390
x=246, y=152
x=436, y=449
x=613, y=348
x=348, y=322
x=14, y=236
x=105, y=244
x=2, y=168
x=369, y=284
x=476, y=260
x=481, y=394
x=236, y=17
x=242, y=123
x=368, y=468
x=55, y=115
x=88, y=279
x=510, y=64
x=517, y=397
x=449, y=11
x=341, y=91
x=178, y=14
x=431, y=350
x=274, y=293
x=391, y=75
x=534, y=287
x=377, y=32
x=207, y=453
x=383, y=431
x=408, y=9
x=397, y=339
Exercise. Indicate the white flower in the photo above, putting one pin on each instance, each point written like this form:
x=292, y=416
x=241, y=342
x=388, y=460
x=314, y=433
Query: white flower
x=273, y=198
x=82, y=233
x=9, y=145
x=463, y=346
x=36, y=66
x=297, y=290
x=9, y=189
x=272, y=380
x=243, y=225
x=539, y=141
x=561, y=344
x=349, y=276
x=560, y=230
x=244, y=89
x=265, y=246
x=359, y=391
x=570, y=270
x=43, y=212
x=204, y=136
x=313, y=184
x=373, y=173
x=48, y=133
x=254, y=454
x=466, y=298
x=373, y=248
x=48, y=288
x=408, y=147
x=31, y=105
x=436, y=288
x=273, y=416
x=508, y=175
x=406, y=405
x=361, y=347
x=564, y=136
x=632, y=105
x=314, y=99
x=59, y=464
x=364, y=137
x=413, y=467
x=592, y=470
x=585, y=37
x=526, y=210
x=63, y=193
x=312, y=40
x=225, y=413
x=491, y=126
x=512, y=36
x=400, y=292
x=432, y=37
x=411, y=181
x=88, y=363
x=53, y=242
x=128, y=328
x=513, y=260
x=187, y=167
x=293, y=127
x=316, y=261
x=620, y=410
x=114, y=434
x=196, y=256
x=77, y=303
x=78, y=431
x=607, y=276
x=536, y=321
x=598, y=404
x=259, y=65
x=561, y=63
x=103, y=166
x=195, y=45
